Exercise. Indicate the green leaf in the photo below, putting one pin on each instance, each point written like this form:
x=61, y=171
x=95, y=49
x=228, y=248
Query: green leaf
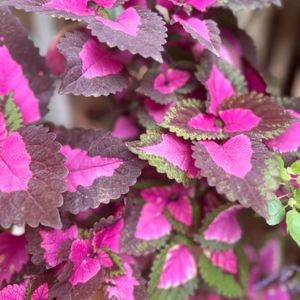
x=293, y=225
x=12, y=114
x=296, y=194
x=283, y=171
x=222, y=282
x=294, y=169
x=276, y=211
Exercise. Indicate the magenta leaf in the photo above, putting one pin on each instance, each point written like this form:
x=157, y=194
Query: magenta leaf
x=204, y=31
x=14, y=292
x=53, y=240
x=125, y=129
x=100, y=168
x=132, y=31
x=255, y=114
x=220, y=228
x=13, y=255
x=91, y=69
x=23, y=71
x=150, y=240
x=168, y=153
x=174, y=272
x=122, y=287
x=84, y=267
x=41, y=293
x=241, y=169
x=33, y=192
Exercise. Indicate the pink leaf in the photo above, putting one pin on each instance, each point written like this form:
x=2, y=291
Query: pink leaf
x=15, y=172
x=13, y=255
x=84, y=267
x=96, y=62
x=225, y=227
x=181, y=210
x=219, y=88
x=122, y=287
x=226, y=260
x=41, y=293
x=14, y=292
x=155, y=110
x=176, y=151
x=13, y=80
x=84, y=169
x=125, y=128
x=78, y=7
x=204, y=122
x=109, y=237
x=52, y=242
x=234, y=156
x=179, y=267
x=168, y=82
x=239, y=119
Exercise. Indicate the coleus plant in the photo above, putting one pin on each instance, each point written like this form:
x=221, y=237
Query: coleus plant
x=158, y=207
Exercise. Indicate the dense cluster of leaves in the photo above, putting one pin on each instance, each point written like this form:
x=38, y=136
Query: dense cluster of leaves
x=152, y=209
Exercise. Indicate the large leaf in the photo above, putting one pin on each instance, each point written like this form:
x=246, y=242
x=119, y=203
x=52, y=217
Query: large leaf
x=32, y=180
x=91, y=70
x=23, y=71
x=100, y=168
x=168, y=153
x=243, y=170
x=136, y=29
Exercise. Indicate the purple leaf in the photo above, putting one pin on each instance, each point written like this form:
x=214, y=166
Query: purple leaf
x=53, y=240
x=241, y=169
x=254, y=114
x=125, y=129
x=36, y=197
x=84, y=267
x=132, y=30
x=23, y=71
x=91, y=70
x=289, y=140
x=204, y=31
x=168, y=153
x=13, y=255
x=101, y=168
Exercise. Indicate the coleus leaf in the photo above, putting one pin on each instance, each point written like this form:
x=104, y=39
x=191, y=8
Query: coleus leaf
x=127, y=286
x=173, y=274
x=243, y=170
x=162, y=87
x=14, y=292
x=32, y=180
x=223, y=282
x=220, y=79
x=136, y=29
x=91, y=69
x=293, y=225
x=204, y=31
x=167, y=153
x=100, y=168
x=220, y=228
x=23, y=72
x=276, y=211
x=247, y=4
x=68, y=9
x=255, y=114
x=13, y=255
x=180, y=120
x=137, y=246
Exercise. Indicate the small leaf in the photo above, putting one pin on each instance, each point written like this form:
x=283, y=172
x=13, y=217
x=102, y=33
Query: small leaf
x=294, y=169
x=293, y=225
x=283, y=171
x=276, y=211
